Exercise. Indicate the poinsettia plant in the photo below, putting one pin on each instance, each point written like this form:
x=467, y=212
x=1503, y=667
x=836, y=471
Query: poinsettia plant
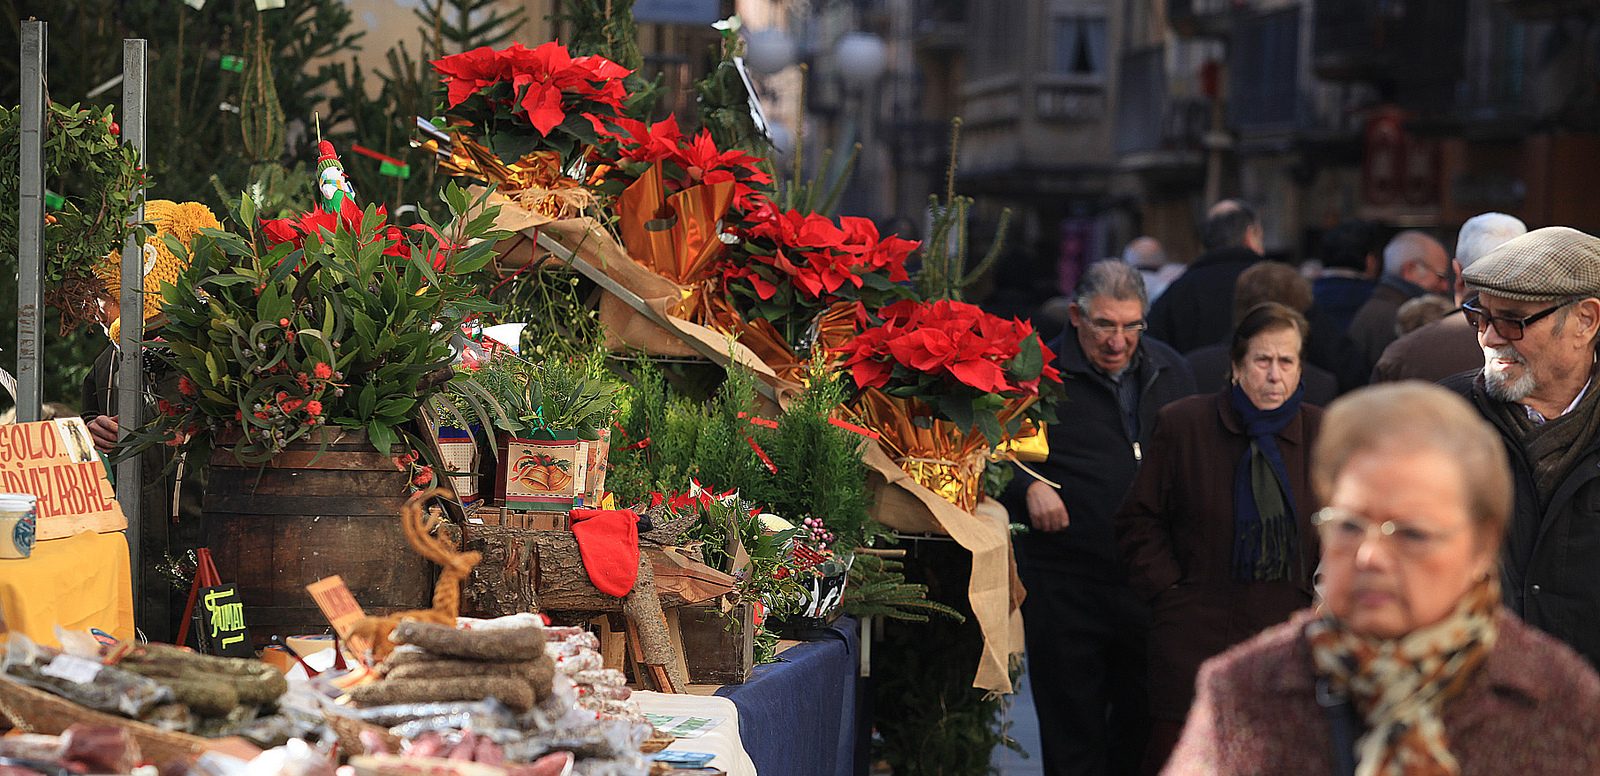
x=521, y=100
x=789, y=266
x=968, y=366
x=685, y=161
x=322, y=320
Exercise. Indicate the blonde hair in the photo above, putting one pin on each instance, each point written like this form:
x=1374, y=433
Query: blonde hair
x=1414, y=416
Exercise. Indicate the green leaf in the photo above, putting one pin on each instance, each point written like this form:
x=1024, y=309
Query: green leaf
x=1029, y=361
x=367, y=401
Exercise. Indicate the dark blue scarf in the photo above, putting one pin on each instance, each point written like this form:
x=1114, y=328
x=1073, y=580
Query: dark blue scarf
x=1263, y=503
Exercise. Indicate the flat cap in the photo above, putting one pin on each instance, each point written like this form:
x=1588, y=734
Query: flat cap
x=1555, y=262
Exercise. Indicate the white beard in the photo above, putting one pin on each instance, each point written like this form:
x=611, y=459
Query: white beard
x=1498, y=384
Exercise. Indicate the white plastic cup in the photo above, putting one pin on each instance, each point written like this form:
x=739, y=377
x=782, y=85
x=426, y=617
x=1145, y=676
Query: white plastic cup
x=19, y=522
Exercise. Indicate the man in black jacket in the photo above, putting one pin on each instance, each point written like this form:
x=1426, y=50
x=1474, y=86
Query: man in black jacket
x=1538, y=319
x=1197, y=309
x=1085, y=629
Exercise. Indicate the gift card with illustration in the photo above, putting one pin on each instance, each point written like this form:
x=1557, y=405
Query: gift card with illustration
x=543, y=474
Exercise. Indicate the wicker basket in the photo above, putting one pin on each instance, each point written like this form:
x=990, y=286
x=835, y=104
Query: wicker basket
x=37, y=711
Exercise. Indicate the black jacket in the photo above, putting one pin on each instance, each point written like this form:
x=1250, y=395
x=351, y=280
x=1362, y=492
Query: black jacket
x=1092, y=458
x=1550, y=566
x=1197, y=309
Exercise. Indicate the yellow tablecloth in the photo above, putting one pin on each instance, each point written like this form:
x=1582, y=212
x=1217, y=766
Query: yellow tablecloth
x=79, y=582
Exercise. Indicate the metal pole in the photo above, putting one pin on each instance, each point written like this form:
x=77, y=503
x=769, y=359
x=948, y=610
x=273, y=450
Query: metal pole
x=130, y=374
x=30, y=225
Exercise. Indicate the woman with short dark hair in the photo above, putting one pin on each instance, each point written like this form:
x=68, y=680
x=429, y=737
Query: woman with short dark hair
x=1217, y=529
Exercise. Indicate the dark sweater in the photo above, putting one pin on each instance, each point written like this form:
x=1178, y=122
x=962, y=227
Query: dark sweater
x=1093, y=458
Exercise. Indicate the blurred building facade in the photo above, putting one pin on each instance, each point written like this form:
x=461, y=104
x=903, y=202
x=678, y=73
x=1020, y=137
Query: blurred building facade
x=1095, y=121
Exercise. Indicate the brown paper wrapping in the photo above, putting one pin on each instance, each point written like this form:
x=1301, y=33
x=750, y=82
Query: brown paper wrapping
x=685, y=581
x=994, y=591
x=625, y=327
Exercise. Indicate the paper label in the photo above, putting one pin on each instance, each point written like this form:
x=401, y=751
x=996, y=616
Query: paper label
x=337, y=604
x=679, y=726
x=72, y=669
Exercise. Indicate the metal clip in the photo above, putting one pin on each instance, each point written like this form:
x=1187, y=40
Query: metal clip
x=1138, y=453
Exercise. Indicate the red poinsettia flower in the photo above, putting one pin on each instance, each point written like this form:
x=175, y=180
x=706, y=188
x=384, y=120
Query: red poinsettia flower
x=948, y=338
x=547, y=81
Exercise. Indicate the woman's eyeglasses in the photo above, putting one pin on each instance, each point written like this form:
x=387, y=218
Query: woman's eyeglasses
x=1344, y=531
x=1511, y=328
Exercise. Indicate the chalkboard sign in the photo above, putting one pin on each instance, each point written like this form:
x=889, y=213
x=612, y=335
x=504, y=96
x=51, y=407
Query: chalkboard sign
x=219, y=620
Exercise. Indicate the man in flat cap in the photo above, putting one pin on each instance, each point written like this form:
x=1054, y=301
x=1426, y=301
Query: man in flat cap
x=1537, y=314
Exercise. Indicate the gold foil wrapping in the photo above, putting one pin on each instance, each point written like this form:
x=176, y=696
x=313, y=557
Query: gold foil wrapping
x=534, y=182
x=936, y=453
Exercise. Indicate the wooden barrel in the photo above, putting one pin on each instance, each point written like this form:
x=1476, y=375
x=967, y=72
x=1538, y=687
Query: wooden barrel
x=313, y=512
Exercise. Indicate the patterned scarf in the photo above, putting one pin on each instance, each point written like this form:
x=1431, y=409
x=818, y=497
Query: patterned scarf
x=1263, y=506
x=1400, y=686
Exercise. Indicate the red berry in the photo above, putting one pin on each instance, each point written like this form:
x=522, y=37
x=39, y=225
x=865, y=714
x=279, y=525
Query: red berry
x=116, y=130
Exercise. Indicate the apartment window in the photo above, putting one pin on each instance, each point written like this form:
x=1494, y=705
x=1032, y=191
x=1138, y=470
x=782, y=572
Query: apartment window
x=1078, y=46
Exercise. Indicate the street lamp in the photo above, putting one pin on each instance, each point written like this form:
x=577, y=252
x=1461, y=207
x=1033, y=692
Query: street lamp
x=862, y=58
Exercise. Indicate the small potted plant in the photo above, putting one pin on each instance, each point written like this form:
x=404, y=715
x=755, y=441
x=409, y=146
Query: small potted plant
x=304, y=350
x=552, y=429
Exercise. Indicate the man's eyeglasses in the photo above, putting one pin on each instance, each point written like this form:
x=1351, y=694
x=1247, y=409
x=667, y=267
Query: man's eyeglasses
x=1344, y=532
x=1108, y=328
x=1508, y=327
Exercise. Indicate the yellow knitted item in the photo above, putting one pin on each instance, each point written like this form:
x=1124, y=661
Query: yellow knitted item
x=181, y=220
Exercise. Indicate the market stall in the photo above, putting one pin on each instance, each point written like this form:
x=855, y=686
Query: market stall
x=443, y=532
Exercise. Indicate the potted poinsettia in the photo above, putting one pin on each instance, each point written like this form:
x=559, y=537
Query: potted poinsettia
x=521, y=118
x=943, y=381
x=672, y=195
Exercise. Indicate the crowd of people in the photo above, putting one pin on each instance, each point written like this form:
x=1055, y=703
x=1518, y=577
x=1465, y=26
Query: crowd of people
x=1225, y=578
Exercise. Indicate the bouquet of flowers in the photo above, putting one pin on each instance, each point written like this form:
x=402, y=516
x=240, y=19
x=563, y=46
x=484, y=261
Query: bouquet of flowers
x=322, y=320
x=942, y=381
x=522, y=118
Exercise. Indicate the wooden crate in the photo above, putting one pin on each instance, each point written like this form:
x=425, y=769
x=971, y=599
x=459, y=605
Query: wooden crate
x=497, y=514
x=713, y=652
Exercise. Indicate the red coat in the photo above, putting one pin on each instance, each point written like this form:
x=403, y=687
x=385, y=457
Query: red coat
x=1534, y=708
x=1176, y=534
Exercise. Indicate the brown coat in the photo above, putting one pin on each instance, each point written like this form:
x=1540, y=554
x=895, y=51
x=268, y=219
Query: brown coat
x=1533, y=709
x=1446, y=347
x=1176, y=534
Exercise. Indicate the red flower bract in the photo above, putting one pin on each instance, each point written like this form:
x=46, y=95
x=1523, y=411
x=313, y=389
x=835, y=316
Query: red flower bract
x=546, y=81
x=947, y=339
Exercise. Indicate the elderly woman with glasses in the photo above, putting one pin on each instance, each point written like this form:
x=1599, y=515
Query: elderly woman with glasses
x=1216, y=531
x=1411, y=666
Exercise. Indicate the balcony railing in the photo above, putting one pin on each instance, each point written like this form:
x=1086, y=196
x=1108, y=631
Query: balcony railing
x=1204, y=18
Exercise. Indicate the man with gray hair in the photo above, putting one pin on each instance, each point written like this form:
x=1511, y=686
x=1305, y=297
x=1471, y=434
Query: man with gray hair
x=1085, y=628
x=1449, y=346
x=1146, y=255
x=1413, y=264
x=1537, y=314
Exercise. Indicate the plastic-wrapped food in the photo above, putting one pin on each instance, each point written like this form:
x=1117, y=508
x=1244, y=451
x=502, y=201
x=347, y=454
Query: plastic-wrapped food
x=488, y=713
x=583, y=661
x=601, y=677
x=82, y=681
x=100, y=749
x=562, y=632
x=296, y=758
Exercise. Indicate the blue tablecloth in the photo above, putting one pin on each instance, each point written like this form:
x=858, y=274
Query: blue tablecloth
x=791, y=709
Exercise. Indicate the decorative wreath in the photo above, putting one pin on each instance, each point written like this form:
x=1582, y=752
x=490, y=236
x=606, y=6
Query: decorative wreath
x=99, y=182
